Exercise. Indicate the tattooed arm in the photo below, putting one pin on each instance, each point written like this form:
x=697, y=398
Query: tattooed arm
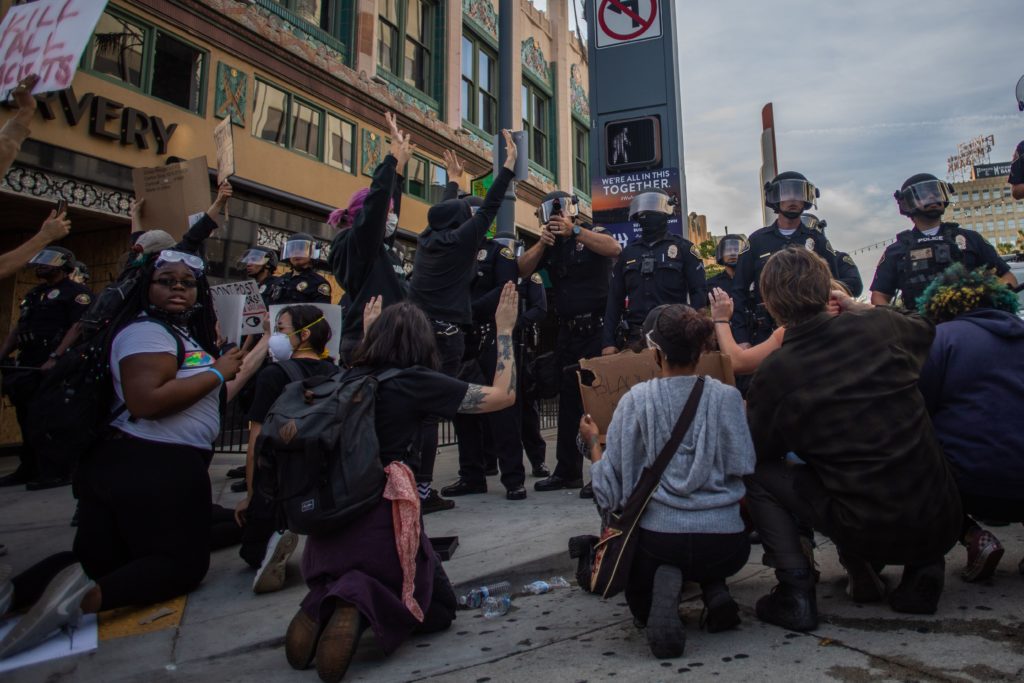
x=502, y=394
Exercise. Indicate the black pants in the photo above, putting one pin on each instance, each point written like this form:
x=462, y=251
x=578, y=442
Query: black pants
x=708, y=559
x=260, y=525
x=491, y=434
x=19, y=386
x=575, y=341
x=143, y=525
x=529, y=431
x=450, y=347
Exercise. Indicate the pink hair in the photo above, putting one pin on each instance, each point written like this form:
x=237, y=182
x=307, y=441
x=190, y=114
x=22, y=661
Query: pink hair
x=344, y=218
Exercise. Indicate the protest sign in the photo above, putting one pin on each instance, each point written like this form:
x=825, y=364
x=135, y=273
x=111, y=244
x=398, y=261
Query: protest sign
x=332, y=316
x=606, y=379
x=172, y=193
x=222, y=137
x=228, y=309
x=253, y=311
x=46, y=38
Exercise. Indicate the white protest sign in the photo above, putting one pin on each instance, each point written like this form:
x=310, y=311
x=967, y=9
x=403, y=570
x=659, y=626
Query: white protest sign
x=254, y=310
x=46, y=38
x=225, y=143
x=332, y=316
x=228, y=308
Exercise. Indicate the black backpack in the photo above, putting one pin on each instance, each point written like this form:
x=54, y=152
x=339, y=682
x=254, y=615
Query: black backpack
x=71, y=410
x=318, y=454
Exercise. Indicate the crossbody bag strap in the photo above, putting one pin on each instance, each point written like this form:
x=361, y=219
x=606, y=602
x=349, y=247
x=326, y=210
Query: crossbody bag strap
x=649, y=480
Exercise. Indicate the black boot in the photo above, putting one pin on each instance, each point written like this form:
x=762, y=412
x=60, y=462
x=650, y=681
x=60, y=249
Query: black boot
x=920, y=588
x=792, y=604
x=665, y=634
x=721, y=612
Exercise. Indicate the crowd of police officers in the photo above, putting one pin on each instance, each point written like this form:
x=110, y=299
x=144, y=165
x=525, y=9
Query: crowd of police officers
x=600, y=294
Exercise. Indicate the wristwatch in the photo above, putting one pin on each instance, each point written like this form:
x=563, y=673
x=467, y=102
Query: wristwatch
x=576, y=230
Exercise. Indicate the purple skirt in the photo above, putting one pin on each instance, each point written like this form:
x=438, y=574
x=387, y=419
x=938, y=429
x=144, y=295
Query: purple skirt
x=359, y=564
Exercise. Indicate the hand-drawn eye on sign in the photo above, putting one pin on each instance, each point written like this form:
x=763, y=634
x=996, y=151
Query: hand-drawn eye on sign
x=627, y=21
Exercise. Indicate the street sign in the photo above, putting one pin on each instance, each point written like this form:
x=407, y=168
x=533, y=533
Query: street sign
x=627, y=21
x=633, y=143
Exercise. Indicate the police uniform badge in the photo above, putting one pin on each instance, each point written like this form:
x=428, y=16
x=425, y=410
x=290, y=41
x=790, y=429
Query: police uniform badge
x=481, y=255
x=324, y=289
x=536, y=279
x=301, y=287
x=809, y=244
x=695, y=252
x=961, y=242
x=673, y=251
x=262, y=288
x=53, y=294
x=849, y=261
x=579, y=246
x=83, y=299
x=507, y=253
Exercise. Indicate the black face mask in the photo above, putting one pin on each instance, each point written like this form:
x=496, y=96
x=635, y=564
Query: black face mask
x=792, y=214
x=180, y=319
x=934, y=214
x=653, y=224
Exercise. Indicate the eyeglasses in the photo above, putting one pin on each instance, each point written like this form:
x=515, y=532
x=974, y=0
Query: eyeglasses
x=171, y=283
x=194, y=263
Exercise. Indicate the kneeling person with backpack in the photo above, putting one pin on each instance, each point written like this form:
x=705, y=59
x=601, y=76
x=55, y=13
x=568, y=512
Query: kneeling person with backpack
x=298, y=347
x=343, y=455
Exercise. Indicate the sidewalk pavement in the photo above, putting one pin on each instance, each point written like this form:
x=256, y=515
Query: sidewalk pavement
x=226, y=633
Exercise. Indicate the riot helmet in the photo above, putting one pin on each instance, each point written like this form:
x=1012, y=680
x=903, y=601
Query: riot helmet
x=790, y=186
x=261, y=256
x=812, y=222
x=299, y=245
x=54, y=257
x=729, y=248
x=920, y=191
x=652, y=211
x=558, y=203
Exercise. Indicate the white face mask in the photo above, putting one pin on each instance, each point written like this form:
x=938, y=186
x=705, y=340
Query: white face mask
x=391, y=225
x=280, y=346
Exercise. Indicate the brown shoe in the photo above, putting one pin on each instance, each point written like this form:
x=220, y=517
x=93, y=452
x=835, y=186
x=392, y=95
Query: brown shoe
x=300, y=641
x=338, y=643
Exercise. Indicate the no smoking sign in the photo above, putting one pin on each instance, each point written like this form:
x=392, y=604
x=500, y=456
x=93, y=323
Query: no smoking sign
x=627, y=21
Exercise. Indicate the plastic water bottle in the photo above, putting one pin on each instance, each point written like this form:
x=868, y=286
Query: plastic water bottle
x=541, y=587
x=497, y=606
x=476, y=597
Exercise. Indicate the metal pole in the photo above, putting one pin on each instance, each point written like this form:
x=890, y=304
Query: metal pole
x=506, y=115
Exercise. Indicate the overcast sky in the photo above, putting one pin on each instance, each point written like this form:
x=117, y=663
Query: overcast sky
x=866, y=93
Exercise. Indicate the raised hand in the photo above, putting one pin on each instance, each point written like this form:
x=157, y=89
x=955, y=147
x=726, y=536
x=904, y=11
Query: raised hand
x=371, y=311
x=721, y=304
x=508, y=309
x=511, y=151
x=22, y=93
x=456, y=169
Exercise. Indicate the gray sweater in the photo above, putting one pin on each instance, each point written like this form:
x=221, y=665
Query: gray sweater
x=702, y=486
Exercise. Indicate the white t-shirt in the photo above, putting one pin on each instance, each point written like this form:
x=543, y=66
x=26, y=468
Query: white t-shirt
x=198, y=424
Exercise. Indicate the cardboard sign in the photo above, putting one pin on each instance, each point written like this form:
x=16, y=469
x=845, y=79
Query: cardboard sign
x=228, y=309
x=225, y=150
x=611, y=377
x=253, y=310
x=172, y=193
x=332, y=316
x=46, y=38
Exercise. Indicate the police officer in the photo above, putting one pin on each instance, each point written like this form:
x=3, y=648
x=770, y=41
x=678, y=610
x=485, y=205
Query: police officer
x=478, y=434
x=656, y=268
x=260, y=264
x=789, y=194
x=849, y=273
x=527, y=338
x=80, y=274
x=578, y=261
x=47, y=312
x=918, y=255
x=302, y=285
x=1016, y=177
x=727, y=253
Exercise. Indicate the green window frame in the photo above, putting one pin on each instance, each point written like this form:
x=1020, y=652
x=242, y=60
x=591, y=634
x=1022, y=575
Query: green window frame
x=294, y=123
x=148, y=59
x=581, y=156
x=539, y=121
x=424, y=179
x=479, y=84
x=340, y=143
x=331, y=21
x=408, y=46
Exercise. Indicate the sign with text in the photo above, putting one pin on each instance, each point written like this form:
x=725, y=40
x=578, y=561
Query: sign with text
x=225, y=150
x=332, y=316
x=172, y=193
x=228, y=309
x=627, y=21
x=46, y=38
x=611, y=196
x=252, y=312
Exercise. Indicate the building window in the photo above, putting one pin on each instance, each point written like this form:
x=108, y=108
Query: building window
x=425, y=180
x=975, y=196
x=270, y=107
x=985, y=194
x=406, y=42
x=581, y=155
x=479, y=84
x=536, y=106
x=320, y=13
x=149, y=59
x=341, y=136
x=306, y=123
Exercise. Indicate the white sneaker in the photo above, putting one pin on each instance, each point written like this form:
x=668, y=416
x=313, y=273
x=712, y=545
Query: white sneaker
x=60, y=606
x=270, y=575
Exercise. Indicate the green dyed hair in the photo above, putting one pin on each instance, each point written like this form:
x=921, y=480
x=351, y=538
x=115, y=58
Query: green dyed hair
x=958, y=290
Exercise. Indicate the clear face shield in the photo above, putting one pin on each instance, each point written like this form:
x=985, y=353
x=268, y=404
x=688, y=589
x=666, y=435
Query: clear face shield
x=49, y=257
x=791, y=189
x=565, y=206
x=730, y=249
x=298, y=249
x=923, y=194
x=254, y=257
x=651, y=202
